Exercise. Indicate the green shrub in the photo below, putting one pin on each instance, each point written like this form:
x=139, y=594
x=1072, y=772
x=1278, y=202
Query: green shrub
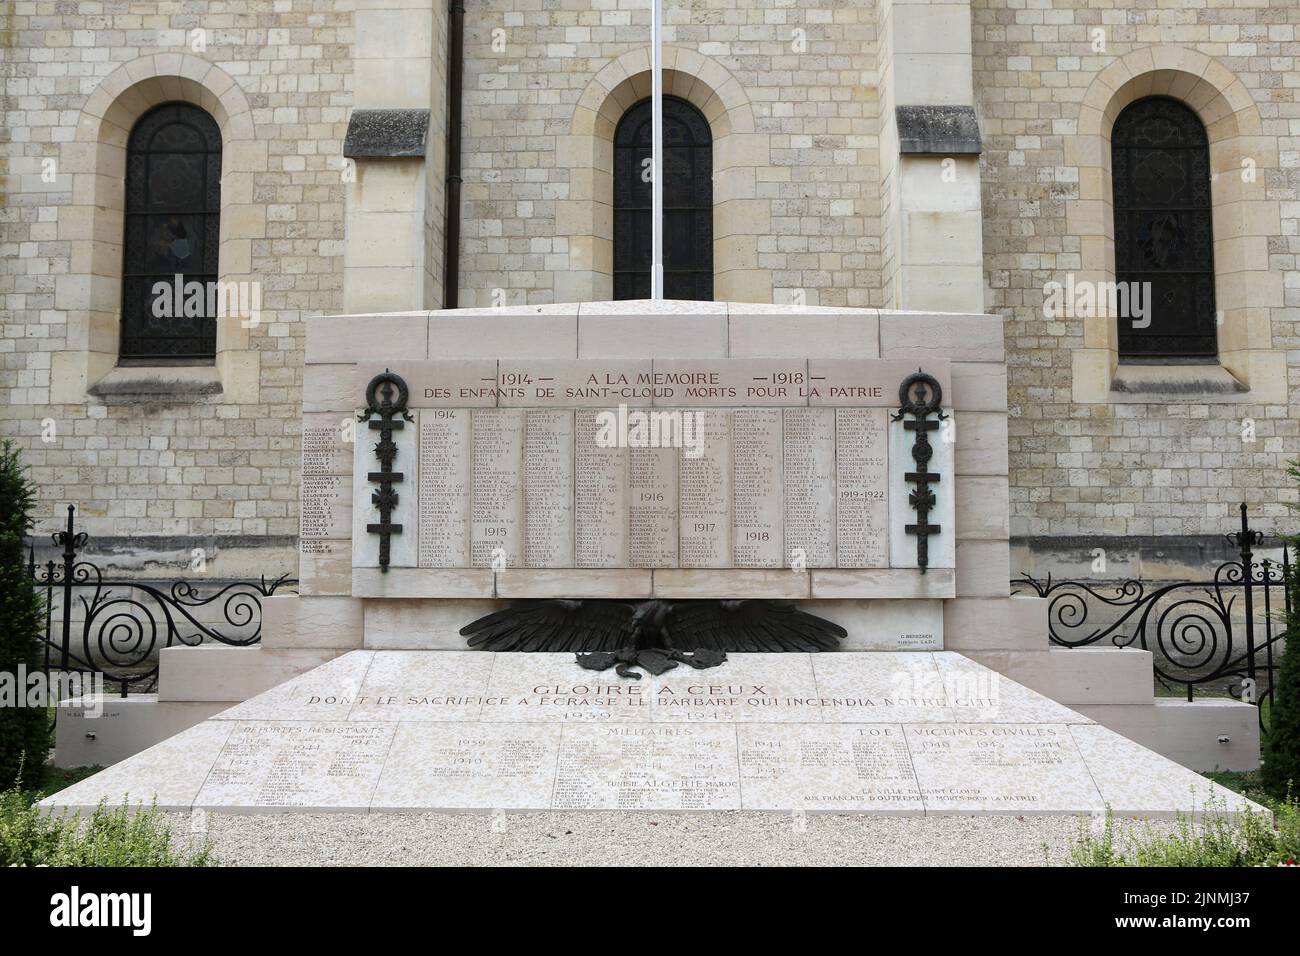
x=112, y=836
x=23, y=730
x=1215, y=838
x=1281, y=746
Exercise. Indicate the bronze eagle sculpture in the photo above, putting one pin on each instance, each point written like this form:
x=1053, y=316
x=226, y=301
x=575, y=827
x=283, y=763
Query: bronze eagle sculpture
x=655, y=635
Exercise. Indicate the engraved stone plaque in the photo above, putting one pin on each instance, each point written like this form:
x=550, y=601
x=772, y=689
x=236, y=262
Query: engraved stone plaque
x=600, y=492
x=706, y=497
x=696, y=383
x=827, y=767
x=1009, y=768
x=392, y=730
x=640, y=766
x=575, y=383
x=809, y=439
x=497, y=506
x=471, y=766
x=324, y=452
x=679, y=466
x=445, y=472
x=862, y=487
x=756, y=460
x=322, y=764
x=652, y=505
x=326, y=506
x=548, y=488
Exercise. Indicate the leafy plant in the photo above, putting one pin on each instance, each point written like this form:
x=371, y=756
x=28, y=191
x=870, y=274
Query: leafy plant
x=23, y=729
x=111, y=836
x=1281, y=746
x=1215, y=838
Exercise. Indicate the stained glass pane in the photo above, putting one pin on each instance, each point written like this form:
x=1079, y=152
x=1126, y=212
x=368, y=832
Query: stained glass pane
x=688, y=203
x=173, y=198
x=1163, y=237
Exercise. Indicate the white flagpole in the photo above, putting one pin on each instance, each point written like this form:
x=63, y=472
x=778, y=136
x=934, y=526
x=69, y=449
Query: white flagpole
x=657, y=153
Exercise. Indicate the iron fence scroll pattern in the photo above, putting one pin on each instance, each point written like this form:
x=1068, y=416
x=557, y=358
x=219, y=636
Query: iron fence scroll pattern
x=1225, y=631
x=124, y=623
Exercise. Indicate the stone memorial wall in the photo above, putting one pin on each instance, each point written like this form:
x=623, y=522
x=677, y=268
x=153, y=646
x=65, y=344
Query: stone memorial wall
x=678, y=469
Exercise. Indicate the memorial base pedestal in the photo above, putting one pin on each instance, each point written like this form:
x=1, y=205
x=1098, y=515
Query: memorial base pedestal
x=919, y=732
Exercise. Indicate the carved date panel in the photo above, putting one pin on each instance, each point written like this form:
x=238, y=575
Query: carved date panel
x=755, y=465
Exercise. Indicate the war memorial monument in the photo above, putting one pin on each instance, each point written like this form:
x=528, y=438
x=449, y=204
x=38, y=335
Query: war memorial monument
x=654, y=556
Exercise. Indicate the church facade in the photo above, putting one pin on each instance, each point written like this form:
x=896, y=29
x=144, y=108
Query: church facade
x=1119, y=184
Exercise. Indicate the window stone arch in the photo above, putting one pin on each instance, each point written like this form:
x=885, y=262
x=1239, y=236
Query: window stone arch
x=740, y=217
x=93, y=223
x=1243, y=217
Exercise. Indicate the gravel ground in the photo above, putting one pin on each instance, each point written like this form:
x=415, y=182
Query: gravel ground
x=636, y=838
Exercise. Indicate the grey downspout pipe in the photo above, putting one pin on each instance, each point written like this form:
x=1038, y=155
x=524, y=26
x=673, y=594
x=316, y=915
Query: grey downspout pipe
x=451, y=231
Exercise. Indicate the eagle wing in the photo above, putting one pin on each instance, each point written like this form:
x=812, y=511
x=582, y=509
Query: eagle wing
x=553, y=626
x=749, y=626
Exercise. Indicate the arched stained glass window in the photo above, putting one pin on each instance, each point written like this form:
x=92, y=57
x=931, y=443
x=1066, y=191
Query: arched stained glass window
x=688, y=203
x=173, y=201
x=1161, y=179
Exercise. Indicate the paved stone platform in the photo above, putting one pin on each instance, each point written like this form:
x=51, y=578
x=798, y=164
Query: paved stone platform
x=878, y=732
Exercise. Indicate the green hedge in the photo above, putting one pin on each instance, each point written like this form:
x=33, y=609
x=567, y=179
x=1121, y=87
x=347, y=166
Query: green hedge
x=111, y=836
x=1215, y=838
x=23, y=730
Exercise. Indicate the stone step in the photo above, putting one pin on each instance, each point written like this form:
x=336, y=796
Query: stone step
x=1073, y=676
x=1209, y=734
x=214, y=672
x=988, y=624
x=101, y=729
x=291, y=623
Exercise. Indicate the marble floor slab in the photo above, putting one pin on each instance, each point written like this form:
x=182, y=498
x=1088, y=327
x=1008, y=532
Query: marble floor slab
x=872, y=732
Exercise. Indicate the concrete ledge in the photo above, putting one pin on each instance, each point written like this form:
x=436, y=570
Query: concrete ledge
x=730, y=583
x=126, y=726
x=423, y=625
x=214, y=672
x=922, y=335
x=345, y=339
x=1188, y=733
x=573, y=582
x=292, y=623
x=883, y=583
x=1164, y=383
x=157, y=386
x=423, y=583
x=987, y=624
x=1072, y=676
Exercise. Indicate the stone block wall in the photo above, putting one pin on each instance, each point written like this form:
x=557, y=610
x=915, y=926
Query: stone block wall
x=1087, y=464
x=792, y=89
x=167, y=455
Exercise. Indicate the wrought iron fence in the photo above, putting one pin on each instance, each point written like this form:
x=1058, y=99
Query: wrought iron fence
x=1197, y=631
x=124, y=623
